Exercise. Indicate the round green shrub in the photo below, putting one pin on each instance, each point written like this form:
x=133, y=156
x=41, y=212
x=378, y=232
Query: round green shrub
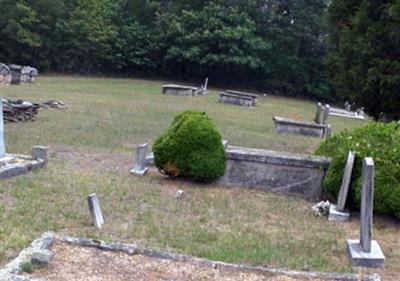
x=381, y=141
x=191, y=148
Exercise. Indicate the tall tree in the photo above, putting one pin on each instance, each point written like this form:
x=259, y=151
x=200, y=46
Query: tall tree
x=364, y=54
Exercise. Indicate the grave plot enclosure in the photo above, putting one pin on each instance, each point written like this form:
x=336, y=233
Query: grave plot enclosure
x=181, y=90
x=238, y=98
x=284, y=125
x=276, y=171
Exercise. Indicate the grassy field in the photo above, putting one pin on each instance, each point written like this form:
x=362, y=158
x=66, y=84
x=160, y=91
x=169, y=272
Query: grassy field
x=92, y=149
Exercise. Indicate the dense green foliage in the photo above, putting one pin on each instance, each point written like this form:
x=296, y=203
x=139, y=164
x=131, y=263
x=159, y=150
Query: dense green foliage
x=379, y=141
x=364, y=56
x=277, y=45
x=191, y=148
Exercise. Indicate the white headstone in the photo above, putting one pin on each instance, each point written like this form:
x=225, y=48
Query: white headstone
x=2, y=142
x=95, y=210
x=366, y=252
x=140, y=164
x=344, y=189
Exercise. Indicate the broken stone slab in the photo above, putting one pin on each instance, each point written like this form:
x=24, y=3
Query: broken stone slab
x=275, y=171
x=42, y=257
x=42, y=243
x=18, y=166
x=40, y=152
x=338, y=212
x=311, y=129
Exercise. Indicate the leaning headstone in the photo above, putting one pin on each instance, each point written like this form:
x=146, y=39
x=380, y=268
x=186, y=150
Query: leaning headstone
x=140, y=165
x=338, y=212
x=95, y=210
x=366, y=252
x=325, y=114
x=318, y=113
x=2, y=142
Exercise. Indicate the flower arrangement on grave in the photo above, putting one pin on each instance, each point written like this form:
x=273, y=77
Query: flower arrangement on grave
x=191, y=148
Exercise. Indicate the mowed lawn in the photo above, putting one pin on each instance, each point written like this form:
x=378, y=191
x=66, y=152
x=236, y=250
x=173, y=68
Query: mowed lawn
x=92, y=148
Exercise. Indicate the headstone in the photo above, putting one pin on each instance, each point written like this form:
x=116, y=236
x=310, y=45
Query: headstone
x=328, y=131
x=40, y=152
x=325, y=115
x=338, y=212
x=206, y=84
x=318, y=113
x=140, y=165
x=95, y=211
x=366, y=252
x=225, y=143
x=2, y=142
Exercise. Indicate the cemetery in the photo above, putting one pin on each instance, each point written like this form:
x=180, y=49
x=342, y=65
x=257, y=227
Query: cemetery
x=103, y=178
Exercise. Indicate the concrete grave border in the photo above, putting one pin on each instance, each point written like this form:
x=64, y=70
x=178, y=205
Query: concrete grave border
x=283, y=172
x=13, y=165
x=12, y=269
x=238, y=98
x=310, y=129
x=135, y=249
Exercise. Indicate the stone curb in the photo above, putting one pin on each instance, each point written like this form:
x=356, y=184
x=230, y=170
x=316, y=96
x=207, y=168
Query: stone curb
x=10, y=271
x=134, y=249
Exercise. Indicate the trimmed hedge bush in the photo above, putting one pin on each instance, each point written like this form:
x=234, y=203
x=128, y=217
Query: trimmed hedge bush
x=191, y=148
x=379, y=141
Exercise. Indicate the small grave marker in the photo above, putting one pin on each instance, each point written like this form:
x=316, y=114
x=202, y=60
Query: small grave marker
x=318, y=113
x=140, y=165
x=2, y=142
x=366, y=252
x=325, y=116
x=338, y=212
x=95, y=211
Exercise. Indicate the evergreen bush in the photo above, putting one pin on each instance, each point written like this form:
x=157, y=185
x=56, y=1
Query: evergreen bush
x=191, y=148
x=377, y=140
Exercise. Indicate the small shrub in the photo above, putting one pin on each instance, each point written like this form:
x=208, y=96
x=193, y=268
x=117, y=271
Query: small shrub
x=379, y=141
x=191, y=148
x=28, y=267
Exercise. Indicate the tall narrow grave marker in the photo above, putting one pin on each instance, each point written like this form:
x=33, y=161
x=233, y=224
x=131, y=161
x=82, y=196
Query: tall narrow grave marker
x=95, y=210
x=366, y=252
x=318, y=113
x=325, y=116
x=2, y=142
x=140, y=165
x=338, y=212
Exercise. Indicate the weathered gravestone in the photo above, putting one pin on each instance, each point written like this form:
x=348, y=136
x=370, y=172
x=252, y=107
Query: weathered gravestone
x=140, y=164
x=2, y=142
x=318, y=113
x=338, y=212
x=366, y=252
x=95, y=211
x=325, y=115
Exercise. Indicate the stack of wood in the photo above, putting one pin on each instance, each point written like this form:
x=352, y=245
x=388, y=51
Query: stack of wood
x=19, y=110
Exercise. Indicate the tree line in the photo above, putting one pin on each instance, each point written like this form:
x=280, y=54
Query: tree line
x=323, y=49
x=275, y=45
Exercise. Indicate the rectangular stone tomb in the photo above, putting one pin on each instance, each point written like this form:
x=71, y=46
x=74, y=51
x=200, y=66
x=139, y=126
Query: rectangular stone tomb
x=334, y=111
x=275, y=171
x=238, y=98
x=181, y=90
x=311, y=129
x=13, y=165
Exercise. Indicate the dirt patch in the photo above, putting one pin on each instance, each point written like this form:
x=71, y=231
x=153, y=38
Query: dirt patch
x=80, y=263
